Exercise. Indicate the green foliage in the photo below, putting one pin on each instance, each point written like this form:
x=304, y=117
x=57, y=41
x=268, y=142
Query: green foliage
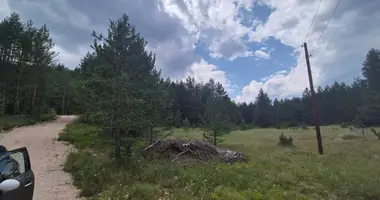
x=347, y=172
x=226, y=193
x=371, y=69
x=244, y=126
x=350, y=137
x=344, y=125
x=9, y=122
x=91, y=173
x=47, y=115
x=186, y=123
x=215, y=120
x=263, y=110
x=304, y=127
x=112, y=90
x=285, y=141
x=178, y=119
x=84, y=136
x=31, y=81
x=376, y=133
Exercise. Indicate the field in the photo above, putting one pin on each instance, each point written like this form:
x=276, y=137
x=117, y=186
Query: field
x=349, y=169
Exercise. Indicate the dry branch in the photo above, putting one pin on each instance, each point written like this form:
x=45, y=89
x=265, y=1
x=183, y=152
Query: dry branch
x=180, y=151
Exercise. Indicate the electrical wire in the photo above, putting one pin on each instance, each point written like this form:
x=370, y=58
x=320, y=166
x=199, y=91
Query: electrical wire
x=328, y=22
x=312, y=21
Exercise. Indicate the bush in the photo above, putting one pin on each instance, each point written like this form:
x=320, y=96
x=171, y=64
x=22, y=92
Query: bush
x=90, y=173
x=285, y=141
x=9, y=122
x=288, y=124
x=377, y=134
x=84, y=136
x=344, y=125
x=244, y=127
x=350, y=137
x=47, y=115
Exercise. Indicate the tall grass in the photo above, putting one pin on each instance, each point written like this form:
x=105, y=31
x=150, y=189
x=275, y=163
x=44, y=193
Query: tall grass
x=349, y=170
x=9, y=122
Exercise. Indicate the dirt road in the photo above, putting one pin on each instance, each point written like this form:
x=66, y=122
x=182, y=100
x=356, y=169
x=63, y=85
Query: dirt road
x=47, y=157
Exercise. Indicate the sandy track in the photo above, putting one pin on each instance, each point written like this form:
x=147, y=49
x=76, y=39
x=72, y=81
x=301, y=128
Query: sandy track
x=47, y=157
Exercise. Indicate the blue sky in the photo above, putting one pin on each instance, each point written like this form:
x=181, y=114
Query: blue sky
x=244, y=44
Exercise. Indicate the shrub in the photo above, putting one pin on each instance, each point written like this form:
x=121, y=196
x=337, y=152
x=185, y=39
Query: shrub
x=377, y=134
x=47, y=115
x=344, y=125
x=349, y=137
x=10, y=122
x=90, y=173
x=244, y=126
x=226, y=193
x=285, y=141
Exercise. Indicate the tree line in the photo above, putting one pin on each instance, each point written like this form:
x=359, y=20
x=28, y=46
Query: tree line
x=117, y=86
x=31, y=81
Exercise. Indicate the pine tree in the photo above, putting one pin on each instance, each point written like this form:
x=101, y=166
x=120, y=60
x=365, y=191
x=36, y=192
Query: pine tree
x=263, y=110
x=215, y=120
x=369, y=111
x=117, y=78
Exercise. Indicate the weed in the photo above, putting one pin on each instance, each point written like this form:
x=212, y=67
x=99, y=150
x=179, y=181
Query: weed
x=377, y=134
x=344, y=125
x=285, y=141
x=346, y=171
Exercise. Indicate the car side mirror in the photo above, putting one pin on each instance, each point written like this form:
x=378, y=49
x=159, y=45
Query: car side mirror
x=9, y=184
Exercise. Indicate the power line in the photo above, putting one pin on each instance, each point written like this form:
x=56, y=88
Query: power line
x=328, y=22
x=312, y=21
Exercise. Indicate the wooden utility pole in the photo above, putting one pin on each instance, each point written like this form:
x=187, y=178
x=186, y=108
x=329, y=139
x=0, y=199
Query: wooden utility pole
x=314, y=102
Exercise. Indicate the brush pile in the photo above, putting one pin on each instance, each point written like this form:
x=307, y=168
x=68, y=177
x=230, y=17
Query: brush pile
x=183, y=151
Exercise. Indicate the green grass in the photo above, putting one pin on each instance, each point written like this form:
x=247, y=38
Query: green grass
x=8, y=122
x=349, y=169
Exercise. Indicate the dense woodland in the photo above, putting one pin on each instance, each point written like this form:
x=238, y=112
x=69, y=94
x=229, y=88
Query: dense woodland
x=116, y=85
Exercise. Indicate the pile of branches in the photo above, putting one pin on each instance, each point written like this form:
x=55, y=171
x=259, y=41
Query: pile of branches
x=183, y=151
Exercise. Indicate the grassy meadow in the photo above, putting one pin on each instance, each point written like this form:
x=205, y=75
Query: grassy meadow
x=349, y=169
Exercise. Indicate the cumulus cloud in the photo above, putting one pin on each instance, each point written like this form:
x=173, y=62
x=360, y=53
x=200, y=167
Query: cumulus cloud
x=216, y=23
x=203, y=72
x=222, y=29
x=72, y=22
x=262, y=54
x=339, y=53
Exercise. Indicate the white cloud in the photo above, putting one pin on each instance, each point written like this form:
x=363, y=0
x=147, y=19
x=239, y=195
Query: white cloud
x=70, y=59
x=203, y=72
x=215, y=23
x=4, y=9
x=339, y=53
x=262, y=54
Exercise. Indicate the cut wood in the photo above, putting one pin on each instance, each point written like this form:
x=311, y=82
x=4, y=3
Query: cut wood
x=182, y=151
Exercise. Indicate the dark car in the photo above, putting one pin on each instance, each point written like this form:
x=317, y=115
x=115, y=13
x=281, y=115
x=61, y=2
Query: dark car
x=16, y=175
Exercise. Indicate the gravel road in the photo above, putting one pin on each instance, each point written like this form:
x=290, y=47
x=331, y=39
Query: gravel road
x=47, y=157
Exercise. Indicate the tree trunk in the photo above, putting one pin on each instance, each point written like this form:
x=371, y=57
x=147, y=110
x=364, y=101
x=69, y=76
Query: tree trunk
x=34, y=98
x=68, y=104
x=16, y=105
x=3, y=99
x=151, y=135
x=63, y=101
x=118, y=146
x=18, y=89
x=214, y=134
